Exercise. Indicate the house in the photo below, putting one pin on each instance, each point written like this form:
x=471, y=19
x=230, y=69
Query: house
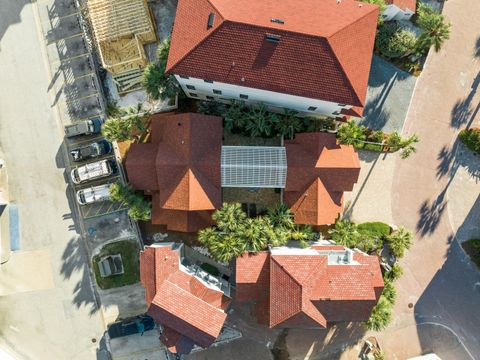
x=312, y=56
x=320, y=170
x=309, y=288
x=188, y=303
x=180, y=169
x=184, y=168
x=399, y=9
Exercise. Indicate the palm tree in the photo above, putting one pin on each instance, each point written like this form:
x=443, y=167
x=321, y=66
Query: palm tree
x=140, y=210
x=400, y=241
x=289, y=124
x=208, y=236
x=117, y=129
x=226, y=247
x=389, y=291
x=345, y=233
x=229, y=217
x=381, y=315
x=350, y=132
x=281, y=216
x=255, y=235
x=435, y=32
x=235, y=119
x=260, y=121
x=408, y=146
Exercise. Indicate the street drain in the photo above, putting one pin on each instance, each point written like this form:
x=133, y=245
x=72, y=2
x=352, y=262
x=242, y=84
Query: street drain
x=94, y=340
x=410, y=305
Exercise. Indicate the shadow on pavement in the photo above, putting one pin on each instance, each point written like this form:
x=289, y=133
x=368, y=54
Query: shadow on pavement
x=10, y=14
x=450, y=301
x=463, y=112
x=476, y=51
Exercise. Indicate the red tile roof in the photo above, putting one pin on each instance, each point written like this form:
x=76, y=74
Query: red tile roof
x=179, y=301
x=181, y=167
x=403, y=4
x=303, y=290
x=325, y=50
x=319, y=171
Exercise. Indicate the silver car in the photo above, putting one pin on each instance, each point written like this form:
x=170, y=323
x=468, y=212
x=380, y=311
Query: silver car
x=93, y=194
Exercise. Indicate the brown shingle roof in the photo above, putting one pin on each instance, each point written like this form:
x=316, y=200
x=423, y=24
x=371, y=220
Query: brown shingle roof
x=181, y=167
x=178, y=300
x=324, y=53
x=319, y=171
x=305, y=291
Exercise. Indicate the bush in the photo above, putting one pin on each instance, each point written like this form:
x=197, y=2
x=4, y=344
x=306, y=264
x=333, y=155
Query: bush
x=376, y=228
x=123, y=124
x=138, y=208
x=381, y=315
x=345, y=233
x=400, y=241
x=212, y=108
x=471, y=139
x=394, y=42
x=389, y=291
x=350, y=132
x=395, y=273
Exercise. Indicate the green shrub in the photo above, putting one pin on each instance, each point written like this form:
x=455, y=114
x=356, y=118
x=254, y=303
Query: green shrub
x=471, y=139
x=395, y=273
x=381, y=315
x=345, y=233
x=376, y=228
x=350, y=132
x=389, y=291
x=138, y=208
x=393, y=41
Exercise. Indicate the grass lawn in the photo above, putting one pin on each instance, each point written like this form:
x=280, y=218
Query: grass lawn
x=472, y=248
x=129, y=251
x=376, y=228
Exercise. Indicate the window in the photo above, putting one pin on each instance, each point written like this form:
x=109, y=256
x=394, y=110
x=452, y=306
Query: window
x=184, y=77
x=208, y=81
x=190, y=87
x=218, y=92
x=312, y=108
x=243, y=96
x=192, y=94
x=272, y=38
x=342, y=105
x=210, y=97
x=336, y=113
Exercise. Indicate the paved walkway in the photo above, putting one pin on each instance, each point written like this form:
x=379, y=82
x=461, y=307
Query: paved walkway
x=440, y=281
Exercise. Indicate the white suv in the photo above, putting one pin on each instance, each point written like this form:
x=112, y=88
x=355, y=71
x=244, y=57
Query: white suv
x=93, y=194
x=92, y=171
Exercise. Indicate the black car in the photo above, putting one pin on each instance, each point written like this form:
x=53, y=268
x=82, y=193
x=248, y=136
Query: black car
x=92, y=150
x=130, y=326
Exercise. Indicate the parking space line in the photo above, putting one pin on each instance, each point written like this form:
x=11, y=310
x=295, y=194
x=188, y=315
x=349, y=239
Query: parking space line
x=69, y=58
x=62, y=39
x=84, y=97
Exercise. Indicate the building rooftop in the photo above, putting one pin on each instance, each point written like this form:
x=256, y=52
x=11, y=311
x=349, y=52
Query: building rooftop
x=319, y=171
x=189, y=305
x=321, y=50
x=307, y=288
x=180, y=167
x=403, y=4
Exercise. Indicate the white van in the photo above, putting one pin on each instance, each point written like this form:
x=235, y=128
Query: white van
x=92, y=171
x=93, y=194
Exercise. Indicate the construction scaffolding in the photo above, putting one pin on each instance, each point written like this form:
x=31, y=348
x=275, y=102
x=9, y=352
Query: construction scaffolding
x=121, y=28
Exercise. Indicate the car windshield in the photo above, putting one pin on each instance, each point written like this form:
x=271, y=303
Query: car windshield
x=82, y=197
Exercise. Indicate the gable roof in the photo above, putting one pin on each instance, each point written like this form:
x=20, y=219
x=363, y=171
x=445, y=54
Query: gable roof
x=319, y=171
x=324, y=52
x=404, y=4
x=179, y=301
x=180, y=166
x=300, y=283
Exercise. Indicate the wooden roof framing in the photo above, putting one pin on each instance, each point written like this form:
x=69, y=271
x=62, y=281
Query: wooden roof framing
x=121, y=28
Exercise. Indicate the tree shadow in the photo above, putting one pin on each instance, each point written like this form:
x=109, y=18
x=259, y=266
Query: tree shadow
x=10, y=14
x=448, y=307
x=452, y=158
x=476, y=51
x=463, y=112
x=430, y=214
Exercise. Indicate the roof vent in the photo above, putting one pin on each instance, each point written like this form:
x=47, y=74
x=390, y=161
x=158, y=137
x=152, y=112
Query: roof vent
x=339, y=1
x=272, y=38
x=211, y=17
x=278, y=21
x=360, y=5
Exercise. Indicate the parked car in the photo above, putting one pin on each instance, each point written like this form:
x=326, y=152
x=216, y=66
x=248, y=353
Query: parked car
x=86, y=127
x=93, y=194
x=130, y=326
x=92, y=171
x=92, y=150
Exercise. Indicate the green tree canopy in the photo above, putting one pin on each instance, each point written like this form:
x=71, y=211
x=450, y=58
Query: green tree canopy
x=393, y=41
x=400, y=241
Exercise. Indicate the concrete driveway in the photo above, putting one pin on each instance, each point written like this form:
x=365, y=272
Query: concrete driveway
x=388, y=96
x=55, y=316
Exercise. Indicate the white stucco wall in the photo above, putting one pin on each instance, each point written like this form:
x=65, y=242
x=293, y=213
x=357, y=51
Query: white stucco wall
x=270, y=98
x=393, y=12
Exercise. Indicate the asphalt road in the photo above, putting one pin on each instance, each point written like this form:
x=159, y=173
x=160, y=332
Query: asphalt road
x=50, y=310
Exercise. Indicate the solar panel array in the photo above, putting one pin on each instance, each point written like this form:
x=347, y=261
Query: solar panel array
x=254, y=166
